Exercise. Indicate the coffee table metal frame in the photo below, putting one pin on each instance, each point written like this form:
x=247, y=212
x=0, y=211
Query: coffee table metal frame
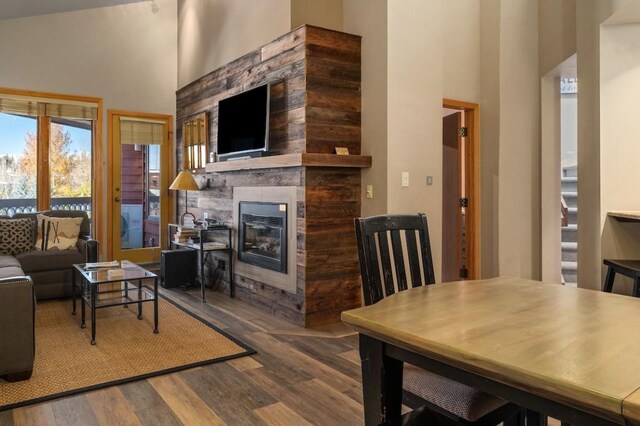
x=134, y=291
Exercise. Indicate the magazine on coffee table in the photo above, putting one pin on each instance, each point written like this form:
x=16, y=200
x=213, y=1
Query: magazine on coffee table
x=91, y=265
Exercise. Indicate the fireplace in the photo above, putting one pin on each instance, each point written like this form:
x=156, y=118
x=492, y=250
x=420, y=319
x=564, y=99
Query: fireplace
x=262, y=235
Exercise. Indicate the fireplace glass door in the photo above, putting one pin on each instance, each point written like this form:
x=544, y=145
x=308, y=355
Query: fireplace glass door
x=262, y=235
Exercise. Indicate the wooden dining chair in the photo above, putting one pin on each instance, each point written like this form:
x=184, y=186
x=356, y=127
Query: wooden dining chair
x=386, y=245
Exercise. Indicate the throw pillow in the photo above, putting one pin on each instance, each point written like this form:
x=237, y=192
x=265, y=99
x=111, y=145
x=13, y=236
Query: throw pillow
x=16, y=235
x=41, y=236
x=63, y=233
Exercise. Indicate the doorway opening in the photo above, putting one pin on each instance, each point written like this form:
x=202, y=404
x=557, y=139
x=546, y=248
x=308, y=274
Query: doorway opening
x=569, y=179
x=460, y=191
x=558, y=173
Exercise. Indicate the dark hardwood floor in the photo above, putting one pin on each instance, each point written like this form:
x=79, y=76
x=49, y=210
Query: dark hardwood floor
x=298, y=377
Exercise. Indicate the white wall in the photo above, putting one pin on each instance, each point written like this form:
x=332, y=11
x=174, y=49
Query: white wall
x=461, y=50
x=124, y=54
x=414, y=113
x=519, y=202
x=489, y=135
x=368, y=18
x=406, y=72
x=321, y=13
x=550, y=184
x=557, y=32
x=619, y=136
x=590, y=14
x=215, y=32
x=569, y=129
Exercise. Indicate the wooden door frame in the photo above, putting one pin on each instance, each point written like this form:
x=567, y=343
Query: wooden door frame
x=110, y=187
x=472, y=120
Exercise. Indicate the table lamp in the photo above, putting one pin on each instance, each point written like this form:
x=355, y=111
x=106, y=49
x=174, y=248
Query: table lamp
x=185, y=182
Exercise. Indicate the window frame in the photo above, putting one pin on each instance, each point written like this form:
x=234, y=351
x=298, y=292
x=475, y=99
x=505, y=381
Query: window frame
x=43, y=196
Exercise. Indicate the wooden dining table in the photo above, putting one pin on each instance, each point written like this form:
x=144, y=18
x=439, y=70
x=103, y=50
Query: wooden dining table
x=569, y=353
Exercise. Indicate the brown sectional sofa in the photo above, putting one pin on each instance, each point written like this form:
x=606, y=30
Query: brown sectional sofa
x=17, y=316
x=30, y=275
x=51, y=270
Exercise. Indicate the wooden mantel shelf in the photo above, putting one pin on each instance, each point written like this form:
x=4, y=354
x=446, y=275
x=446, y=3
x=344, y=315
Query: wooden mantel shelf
x=291, y=160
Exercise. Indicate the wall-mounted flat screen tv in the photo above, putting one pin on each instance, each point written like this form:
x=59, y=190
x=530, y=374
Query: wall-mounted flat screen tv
x=243, y=124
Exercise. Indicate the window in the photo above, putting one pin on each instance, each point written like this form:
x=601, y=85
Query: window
x=45, y=153
x=153, y=182
x=18, y=143
x=195, y=141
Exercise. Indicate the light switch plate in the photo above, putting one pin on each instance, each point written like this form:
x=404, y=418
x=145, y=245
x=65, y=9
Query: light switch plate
x=369, y=191
x=405, y=178
x=429, y=180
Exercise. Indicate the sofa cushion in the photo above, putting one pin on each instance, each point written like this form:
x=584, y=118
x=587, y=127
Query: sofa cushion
x=49, y=260
x=63, y=233
x=6, y=260
x=16, y=235
x=57, y=233
x=85, y=227
x=41, y=232
x=11, y=271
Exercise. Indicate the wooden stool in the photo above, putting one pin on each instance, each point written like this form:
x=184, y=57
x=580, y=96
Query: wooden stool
x=629, y=268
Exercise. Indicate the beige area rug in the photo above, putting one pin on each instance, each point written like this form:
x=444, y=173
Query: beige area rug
x=66, y=363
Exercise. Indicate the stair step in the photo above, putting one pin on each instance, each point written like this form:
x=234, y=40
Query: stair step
x=572, y=215
x=569, y=184
x=569, y=252
x=571, y=198
x=570, y=234
x=569, y=256
x=570, y=171
x=570, y=272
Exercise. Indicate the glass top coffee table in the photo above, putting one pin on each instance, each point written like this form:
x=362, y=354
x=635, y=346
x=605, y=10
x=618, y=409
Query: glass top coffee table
x=114, y=285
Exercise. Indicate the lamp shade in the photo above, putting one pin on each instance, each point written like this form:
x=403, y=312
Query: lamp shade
x=184, y=182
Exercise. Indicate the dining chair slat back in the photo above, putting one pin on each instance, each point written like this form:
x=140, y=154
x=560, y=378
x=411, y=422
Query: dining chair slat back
x=386, y=245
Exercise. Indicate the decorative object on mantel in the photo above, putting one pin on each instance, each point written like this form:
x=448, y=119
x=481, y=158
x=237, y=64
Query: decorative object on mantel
x=625, y=216
x=195, y=142
x=185, y=182
x=341, y=150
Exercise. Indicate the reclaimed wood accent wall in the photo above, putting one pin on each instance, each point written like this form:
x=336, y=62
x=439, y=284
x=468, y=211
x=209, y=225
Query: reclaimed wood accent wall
x=315, y=107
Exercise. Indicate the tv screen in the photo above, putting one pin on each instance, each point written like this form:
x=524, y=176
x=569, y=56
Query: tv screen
x=243, y=124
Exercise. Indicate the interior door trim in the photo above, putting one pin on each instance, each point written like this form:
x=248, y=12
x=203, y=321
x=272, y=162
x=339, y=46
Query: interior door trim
x=472, y=120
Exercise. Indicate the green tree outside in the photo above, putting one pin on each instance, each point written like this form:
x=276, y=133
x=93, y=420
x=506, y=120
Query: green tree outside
x=70, y=171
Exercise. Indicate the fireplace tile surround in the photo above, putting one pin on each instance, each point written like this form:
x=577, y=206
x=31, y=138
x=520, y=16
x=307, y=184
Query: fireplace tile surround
x=315, y=106
x=285, y=195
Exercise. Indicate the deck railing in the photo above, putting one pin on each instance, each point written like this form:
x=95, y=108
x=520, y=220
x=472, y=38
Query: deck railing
x=9, y=207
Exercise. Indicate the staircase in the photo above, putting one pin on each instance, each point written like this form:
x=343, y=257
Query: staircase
x=570, y=232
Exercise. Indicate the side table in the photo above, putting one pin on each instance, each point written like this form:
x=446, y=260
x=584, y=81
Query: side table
x=206, y=241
